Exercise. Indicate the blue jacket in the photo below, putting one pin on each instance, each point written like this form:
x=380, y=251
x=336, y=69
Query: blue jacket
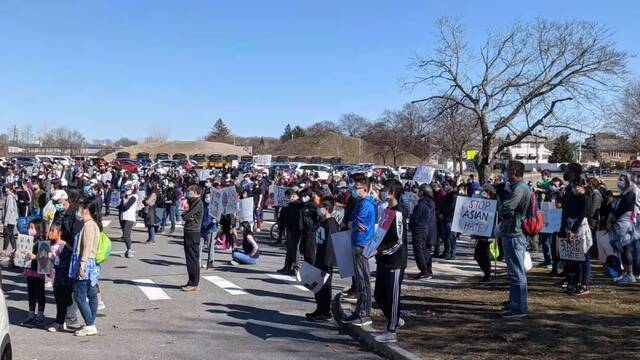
x=365, y=213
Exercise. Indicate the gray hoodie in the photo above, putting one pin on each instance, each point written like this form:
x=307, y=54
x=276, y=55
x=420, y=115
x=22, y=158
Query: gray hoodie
x=10, y=213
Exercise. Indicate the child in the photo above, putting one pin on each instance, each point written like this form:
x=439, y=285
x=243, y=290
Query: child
x=325, y=259
x=35, y=280
x=250, y=252
x=62, y=283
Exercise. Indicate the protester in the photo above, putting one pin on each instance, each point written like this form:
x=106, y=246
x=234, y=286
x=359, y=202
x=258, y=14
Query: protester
x=621, y=227
x=9, y=217
x=35, y=279
x=481, y=251
x=292, y=214
x=192, y=225
x=248, y=252
x=127, y=214
x=424, y=231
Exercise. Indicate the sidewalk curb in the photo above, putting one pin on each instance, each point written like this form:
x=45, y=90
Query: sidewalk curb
x=366, y=335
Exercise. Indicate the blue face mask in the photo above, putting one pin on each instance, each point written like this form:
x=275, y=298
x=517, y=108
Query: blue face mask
x=59, y=207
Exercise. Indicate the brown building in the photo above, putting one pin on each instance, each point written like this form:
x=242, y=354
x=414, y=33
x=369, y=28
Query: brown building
x=609, y=147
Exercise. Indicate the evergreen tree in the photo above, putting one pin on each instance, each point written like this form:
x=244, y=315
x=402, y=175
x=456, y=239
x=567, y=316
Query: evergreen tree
x=297, y=132
x=220, y=132
x=287, y=134
x=564, y=151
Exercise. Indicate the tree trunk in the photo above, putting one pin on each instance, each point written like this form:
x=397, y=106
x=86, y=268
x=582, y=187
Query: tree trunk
x=484, y=161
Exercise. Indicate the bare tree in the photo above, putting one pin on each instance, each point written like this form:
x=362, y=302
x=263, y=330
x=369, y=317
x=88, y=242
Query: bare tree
x=527, y=77
x=626, y=119
x=387, y=136
x=156, y=135
x=353, y=124
x=124, y=142
x=323, y=127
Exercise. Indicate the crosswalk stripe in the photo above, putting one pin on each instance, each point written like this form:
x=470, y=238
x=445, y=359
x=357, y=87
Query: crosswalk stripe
x=289, y=279
x=151, y=290
x=105, y=223
x=141, y=225
x=225, y=285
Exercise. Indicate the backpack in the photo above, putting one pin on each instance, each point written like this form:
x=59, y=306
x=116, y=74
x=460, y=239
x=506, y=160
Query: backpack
x=612, y=267
x=533, y=221
x=104, y=248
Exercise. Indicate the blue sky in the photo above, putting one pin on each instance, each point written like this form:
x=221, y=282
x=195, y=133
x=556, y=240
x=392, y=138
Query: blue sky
x=121, y=68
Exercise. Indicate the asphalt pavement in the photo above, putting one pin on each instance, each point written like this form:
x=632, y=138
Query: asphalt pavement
x=240, y=312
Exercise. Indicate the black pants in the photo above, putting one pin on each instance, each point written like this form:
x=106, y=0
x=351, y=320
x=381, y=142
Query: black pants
x=323, y=297
x=308, y=247
x=63, y=296
x=387, y=294
x=422, y=252
x=191, y=249
x=481, y=255
x=291, y=261
x=35, y=289
x=9, y=237
x=126, y=226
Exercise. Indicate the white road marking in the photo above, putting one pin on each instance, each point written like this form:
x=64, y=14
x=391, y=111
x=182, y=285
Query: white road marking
x=289, y=279
x=225, y=285
x=106, y=223
x=141, y=225
x=153, y=291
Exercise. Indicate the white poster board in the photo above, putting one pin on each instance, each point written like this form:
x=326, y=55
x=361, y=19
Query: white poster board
x=141, y=195
x=229, y=200
x=246, y=209
x=215, y=209
x=552, y=220
x=24, y=248
x=114, y=202
x=604, y=246
x=423, y=174
x=203, y=174
x=474, y=216
x=344, y=253
x=570, y=250
x=264, y=160
x=279, y=196
x=311, y=277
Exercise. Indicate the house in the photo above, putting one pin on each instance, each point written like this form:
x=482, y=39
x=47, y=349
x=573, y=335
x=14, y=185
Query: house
x=609, y=147
x=531, y=150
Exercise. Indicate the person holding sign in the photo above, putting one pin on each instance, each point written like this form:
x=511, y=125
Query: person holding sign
x=620, y=227
x=325, y=258
x=512, y=211
x=481, y=252
x=35, y=280
x=391, y=260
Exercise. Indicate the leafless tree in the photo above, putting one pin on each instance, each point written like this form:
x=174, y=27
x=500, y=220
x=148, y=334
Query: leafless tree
x=353, y=124
x=521, y=79
x=626, y=119
x=387, y=136
x=156, y=135
x=322, y=127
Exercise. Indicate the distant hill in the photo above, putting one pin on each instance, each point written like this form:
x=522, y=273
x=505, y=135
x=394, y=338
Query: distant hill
x=186, y=147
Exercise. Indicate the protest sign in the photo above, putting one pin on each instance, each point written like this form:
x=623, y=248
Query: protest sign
x=344, y=253
x=474, y=216
x=326, y=191
x=44, y=262
x=229, y=200
x=262, y=160
x=203, y=174
x=552, y=220
x=604, y=246
x=383, y=226
x=570, y=250
x=311, y=277
x=24, y=248
x=114, y=202
x=215, y=209
x=141, y=195
x=279, y=196
x=246, y=209
x=423, y=174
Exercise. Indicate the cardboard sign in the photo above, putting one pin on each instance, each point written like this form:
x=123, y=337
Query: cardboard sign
x=264, y=160
x=246, y=209
x=344, y=253
x=570, y=250
x=383, y=226
x=215, y=209
x=474, y=216
x=311, y=277
x=552, y=220
x=279, y=196
x=423, y=174
x=114, y=202
x=24, y=247
x=230, y=201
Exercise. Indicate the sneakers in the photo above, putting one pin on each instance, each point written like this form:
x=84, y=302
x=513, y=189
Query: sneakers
x=87, y=331
x=55, y=327
x=421, y=275
x=581, y=291
x=400, y=322
x=190, y=288
x=318, y=317
x=28, y=321
x=234, y=263
x=286, y=272
x=627, y=278
x=356, y=320
x=101, y=305
x=72, y=324
x=387, y=337
x=485, y=279
x=150, y=242
x=128, y=254
x=513, y=315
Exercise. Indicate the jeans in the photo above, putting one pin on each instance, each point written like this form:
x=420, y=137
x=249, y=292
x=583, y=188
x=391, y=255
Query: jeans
x=169, y=212
x=514, y=249
x=191, y=247
x=635, y=251
x=207, y=235
x=292, y=258
x=240, y=257
x=82, y=290
x=450, y=241
x=362, y=283
x=583, y=271
x=151, y=230
x=545, y=241
x=127, y=226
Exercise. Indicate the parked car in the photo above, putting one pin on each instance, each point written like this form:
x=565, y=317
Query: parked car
x=187, y=164
x=24, y=161
x=62, y=160
x=129, y=166
x=274, y=167
x=386, y=172
x=6, y=351
x=323, y=171
x=100, y=162
x=402, y=171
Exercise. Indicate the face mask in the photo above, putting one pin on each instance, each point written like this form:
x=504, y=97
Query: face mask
x=59, y=207
x=306, y=198
x=32, y=232
x=79, y=215
x=321, y=212
x=384, y=196
x=621, y=184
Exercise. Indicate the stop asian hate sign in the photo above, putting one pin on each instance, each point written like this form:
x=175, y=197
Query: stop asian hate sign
x=474, y=216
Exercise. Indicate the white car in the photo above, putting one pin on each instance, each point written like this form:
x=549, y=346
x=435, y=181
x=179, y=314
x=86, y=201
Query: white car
x=5, y=344
x=323, y=171
x=62, y=160
x=386, y=171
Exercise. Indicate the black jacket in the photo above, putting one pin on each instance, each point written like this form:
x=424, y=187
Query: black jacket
x=423, y=222
x=449, y=205
x=392, y=252
x=292, y=216
x=309, y=226
x=325, y=258
x=70, y=226
x=193, y=217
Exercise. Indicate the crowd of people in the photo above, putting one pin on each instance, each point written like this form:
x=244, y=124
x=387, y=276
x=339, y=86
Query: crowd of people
x=64, y=206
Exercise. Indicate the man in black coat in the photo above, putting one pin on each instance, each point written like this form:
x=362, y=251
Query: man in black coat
x=292, y=219
x=423, y=231
x=192, y=224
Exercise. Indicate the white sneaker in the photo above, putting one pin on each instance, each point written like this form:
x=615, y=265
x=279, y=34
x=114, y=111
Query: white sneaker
x=627, y=279
x=400, y=322
x=387, y=337
x=87, y=331
x=101, y=305
x=57, y=327
x=234, y=263
x=48, y=285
